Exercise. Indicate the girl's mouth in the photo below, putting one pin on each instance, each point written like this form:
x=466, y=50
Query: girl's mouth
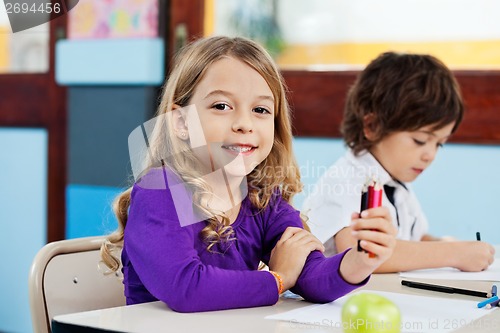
x=239, y=149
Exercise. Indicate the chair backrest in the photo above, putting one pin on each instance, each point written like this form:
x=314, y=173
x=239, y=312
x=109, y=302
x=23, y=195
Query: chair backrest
x=65, y=277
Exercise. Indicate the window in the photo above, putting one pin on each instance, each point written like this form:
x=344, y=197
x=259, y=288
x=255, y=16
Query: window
x=25, y=51
x=317, y=91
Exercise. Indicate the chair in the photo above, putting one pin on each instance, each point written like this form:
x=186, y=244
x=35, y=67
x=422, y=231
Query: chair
x=66, y=277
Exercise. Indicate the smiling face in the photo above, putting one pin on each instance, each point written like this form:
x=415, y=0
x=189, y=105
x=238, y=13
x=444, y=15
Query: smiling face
x=235, y=107
x=405, y=155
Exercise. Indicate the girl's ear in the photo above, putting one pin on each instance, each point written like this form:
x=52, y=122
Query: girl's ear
x=369, y=126
x=179, y=122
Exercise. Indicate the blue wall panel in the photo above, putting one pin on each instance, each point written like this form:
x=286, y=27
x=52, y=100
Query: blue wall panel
x=120, y=61
x=89, y=210
x=23, y=219
x=458, y=192
x=100, y=120
x=314, y=156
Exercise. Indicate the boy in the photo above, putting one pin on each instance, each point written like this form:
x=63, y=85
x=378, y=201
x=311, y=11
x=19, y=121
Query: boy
x=401, y=109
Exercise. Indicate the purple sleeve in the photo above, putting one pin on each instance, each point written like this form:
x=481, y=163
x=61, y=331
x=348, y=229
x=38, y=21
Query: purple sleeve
x=320, y=280
x=164, y=258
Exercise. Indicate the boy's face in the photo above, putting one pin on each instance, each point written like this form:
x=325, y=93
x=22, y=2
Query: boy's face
x=405, y=155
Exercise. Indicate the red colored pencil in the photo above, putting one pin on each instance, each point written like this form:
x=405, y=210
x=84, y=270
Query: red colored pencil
x=374, y=195
x=373, y=199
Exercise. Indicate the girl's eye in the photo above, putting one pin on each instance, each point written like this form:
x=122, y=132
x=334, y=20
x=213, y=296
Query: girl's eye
x=221, y=106
x=440, y=145
x=261, y=110
x=418, y=142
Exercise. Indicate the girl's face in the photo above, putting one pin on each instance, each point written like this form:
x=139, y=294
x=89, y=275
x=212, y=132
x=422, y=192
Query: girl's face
x=235, y=107
x=405, y=155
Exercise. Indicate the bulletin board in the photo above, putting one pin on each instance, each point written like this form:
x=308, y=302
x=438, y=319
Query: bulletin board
x=102, y=19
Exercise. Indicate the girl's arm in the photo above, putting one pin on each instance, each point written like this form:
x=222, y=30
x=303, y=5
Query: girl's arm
x=309, y=274
x=326, y=279
x=165, y=259
x=290, y=253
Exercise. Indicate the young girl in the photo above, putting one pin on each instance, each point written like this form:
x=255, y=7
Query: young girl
x=400, y=111
x=220, y=153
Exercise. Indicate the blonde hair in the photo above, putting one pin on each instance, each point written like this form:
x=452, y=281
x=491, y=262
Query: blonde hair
x=278, y=174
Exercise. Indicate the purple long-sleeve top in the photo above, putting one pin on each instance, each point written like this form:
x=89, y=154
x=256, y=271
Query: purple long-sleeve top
x=163, y=260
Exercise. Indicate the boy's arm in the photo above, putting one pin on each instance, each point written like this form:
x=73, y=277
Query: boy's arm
x=410, y=255
x=428, y=237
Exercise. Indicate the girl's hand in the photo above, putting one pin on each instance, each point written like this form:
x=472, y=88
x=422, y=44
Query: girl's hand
x=290, y=253
x=377, y=235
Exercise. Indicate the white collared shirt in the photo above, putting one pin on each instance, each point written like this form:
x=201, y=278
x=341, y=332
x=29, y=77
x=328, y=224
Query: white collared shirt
x=337, y=195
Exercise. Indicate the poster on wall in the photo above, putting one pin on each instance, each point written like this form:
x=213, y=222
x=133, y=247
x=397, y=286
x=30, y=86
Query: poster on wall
x=101, y=19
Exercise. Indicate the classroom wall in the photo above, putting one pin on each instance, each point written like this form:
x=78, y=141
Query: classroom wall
x=457, y=192
x=23, y=219
x=100, y=121
x=100, y=118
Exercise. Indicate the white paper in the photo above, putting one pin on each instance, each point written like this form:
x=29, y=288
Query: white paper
x=418, y=313
x=448, y=273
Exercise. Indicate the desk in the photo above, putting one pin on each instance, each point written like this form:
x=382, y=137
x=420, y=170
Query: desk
x=157, y=317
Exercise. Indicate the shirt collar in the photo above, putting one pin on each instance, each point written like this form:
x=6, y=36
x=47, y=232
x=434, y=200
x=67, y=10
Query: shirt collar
x=373, y=168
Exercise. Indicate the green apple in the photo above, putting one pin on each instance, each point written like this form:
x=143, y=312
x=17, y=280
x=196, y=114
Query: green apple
x=370, y=313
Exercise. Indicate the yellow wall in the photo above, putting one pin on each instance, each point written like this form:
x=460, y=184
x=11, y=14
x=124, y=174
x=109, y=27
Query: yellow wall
x=4, y=48
x=208, y=20
x=459, y=54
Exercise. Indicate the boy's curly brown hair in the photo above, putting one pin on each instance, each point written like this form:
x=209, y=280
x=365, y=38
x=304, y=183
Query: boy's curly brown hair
x=400, y=92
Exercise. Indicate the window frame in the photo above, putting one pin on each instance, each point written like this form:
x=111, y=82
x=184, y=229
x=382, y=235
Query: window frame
x=317, y=97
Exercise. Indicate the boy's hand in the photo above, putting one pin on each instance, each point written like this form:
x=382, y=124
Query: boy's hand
x=473, y=256
x=290, y=253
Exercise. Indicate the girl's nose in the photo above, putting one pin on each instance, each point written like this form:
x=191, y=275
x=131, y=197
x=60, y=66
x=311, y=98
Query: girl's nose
x=242, y=122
